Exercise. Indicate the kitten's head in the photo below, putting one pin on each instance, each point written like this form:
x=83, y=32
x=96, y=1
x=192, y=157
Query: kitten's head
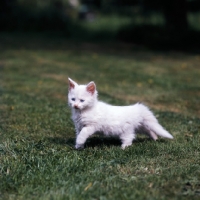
x=81, y=96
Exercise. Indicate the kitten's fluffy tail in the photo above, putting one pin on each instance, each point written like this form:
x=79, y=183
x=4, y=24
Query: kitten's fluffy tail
x=153, y=127
x=159, y=130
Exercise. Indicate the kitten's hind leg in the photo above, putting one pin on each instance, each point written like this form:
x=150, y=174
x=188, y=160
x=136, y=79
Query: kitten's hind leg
x=145, y=130
x=127, y=139
x=82, y=137
x=153, y=135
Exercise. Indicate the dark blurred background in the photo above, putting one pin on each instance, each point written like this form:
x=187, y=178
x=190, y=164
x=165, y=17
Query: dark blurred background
x=166, y=24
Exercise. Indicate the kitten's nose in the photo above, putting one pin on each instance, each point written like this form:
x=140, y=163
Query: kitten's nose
x=76, y=106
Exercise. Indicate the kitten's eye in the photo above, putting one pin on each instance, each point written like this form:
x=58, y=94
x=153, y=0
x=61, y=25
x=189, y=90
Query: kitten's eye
x=81, y=100
x=73, y=99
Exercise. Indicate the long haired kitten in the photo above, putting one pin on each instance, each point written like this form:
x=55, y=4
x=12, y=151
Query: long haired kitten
x=90, y=116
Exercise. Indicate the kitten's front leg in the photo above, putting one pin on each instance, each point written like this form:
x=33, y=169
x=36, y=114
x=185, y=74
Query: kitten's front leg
x=82, y=137
x=127, y=139
x=77, y=130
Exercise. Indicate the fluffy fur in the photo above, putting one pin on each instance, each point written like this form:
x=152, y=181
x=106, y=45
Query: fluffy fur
x=90, y=116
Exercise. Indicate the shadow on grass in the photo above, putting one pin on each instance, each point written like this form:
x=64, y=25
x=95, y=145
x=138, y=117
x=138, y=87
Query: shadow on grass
x=99, y=141
x=91, y=142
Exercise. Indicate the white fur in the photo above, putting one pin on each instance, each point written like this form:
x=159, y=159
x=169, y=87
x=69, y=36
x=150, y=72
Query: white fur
x=93, y=116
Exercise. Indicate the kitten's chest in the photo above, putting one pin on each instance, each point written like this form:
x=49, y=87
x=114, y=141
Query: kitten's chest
x=81, y=119
x=86, y=118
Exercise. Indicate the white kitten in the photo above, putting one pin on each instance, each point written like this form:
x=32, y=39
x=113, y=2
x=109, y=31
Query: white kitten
x=90, y=115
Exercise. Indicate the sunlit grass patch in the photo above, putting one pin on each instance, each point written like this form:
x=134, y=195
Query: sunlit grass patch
x=37, y=157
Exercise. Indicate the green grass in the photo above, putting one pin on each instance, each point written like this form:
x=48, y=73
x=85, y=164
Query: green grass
x=37, y=158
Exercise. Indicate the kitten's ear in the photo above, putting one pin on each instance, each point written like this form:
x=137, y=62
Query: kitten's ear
x=91, y=87
x=72, y=84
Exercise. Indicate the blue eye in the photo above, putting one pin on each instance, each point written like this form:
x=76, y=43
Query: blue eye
x=73, y=99
x=81, y=100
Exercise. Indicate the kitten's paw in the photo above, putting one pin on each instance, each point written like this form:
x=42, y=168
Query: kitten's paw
x=125, y=145
x=79, y=146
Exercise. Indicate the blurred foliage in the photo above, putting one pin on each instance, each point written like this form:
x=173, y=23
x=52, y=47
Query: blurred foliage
x=147, y=22
x=58, y=14
x=36, y=15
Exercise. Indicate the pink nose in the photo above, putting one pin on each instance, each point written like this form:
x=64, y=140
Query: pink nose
x=76, y=107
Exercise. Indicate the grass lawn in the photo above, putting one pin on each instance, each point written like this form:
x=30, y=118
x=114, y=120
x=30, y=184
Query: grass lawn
x=37, y=158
